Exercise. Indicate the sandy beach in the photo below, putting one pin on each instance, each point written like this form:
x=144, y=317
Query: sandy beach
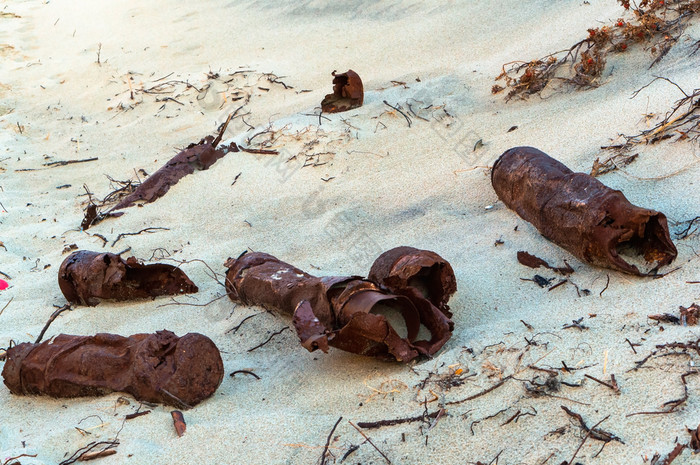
x=118, y=88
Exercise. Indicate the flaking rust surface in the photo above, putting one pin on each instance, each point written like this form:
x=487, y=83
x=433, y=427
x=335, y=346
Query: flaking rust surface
x=406, y=269
x=348, y=93
x=160, y=367
x=198, y=156
x=578, y=212
x=336, y=311
x=86, y=277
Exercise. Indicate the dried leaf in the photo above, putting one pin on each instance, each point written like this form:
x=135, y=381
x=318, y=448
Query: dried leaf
x=96, y=455
x=665, y=318
x=529, y=260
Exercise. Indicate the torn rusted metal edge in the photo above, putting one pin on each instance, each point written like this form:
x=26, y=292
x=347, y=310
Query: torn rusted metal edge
x=690, y=315
x=348, y=93
x=578, y=212
x=86, y=277
x=160, y=367
x=430, y=275
x=337, y=311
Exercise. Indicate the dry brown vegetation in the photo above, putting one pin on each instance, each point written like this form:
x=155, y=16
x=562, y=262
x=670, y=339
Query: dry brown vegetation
x=656, y=26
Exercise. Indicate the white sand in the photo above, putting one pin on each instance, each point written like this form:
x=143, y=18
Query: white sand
x=422, y=186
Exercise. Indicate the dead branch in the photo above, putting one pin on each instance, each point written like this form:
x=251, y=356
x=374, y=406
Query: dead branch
x=328, y=442
x=370, y=441
x=482, y=393
x=144, y=230
x=276, y=333
x=397, y=421
x=593, y=432
x=671, y=405
x=53, y=316
x=90, y=448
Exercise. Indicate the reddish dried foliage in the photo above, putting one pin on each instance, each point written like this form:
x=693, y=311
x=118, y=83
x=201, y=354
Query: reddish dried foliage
x=656, y=24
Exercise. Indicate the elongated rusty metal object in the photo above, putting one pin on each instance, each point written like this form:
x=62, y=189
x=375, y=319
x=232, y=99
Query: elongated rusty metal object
x=345, y=312
x=87, y=277
x=160, y=367
x=579, y=213
x=200, y=156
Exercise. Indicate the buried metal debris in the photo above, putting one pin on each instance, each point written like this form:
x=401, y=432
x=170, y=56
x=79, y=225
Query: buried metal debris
x=86, y=277
x=348, y=93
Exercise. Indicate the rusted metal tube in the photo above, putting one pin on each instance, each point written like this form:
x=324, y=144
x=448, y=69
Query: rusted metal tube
x=160, y=367
x=576, y=211
x=87, y=277
x=345, y=312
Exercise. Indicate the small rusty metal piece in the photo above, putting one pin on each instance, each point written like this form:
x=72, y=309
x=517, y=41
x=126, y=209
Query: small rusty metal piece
x=694, y=439
x=160, y=367
x=690, y=315
x=532, y=261
x=348, y=93
x=576, y=211
x=86, y=277
x=346, y=312
x=179, y=422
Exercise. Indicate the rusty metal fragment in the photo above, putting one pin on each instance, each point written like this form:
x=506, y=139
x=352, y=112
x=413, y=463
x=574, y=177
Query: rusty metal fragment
x=690, y=315
x=345, y=312
x=595, y=223
x=198, y=156
x=695, y=439
x=348, y=93
x=532, y=261
x=160, y=367
x=86, y=277
x=179, y=422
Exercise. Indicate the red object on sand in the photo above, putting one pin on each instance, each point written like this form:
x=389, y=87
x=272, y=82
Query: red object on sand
x=3, y=285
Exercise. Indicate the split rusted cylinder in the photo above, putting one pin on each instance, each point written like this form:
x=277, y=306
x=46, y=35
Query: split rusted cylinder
x=348, y=93
x=427, y=273
x=579, y=213
x=160, y=367
x=86, y=277
x=348, y=313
